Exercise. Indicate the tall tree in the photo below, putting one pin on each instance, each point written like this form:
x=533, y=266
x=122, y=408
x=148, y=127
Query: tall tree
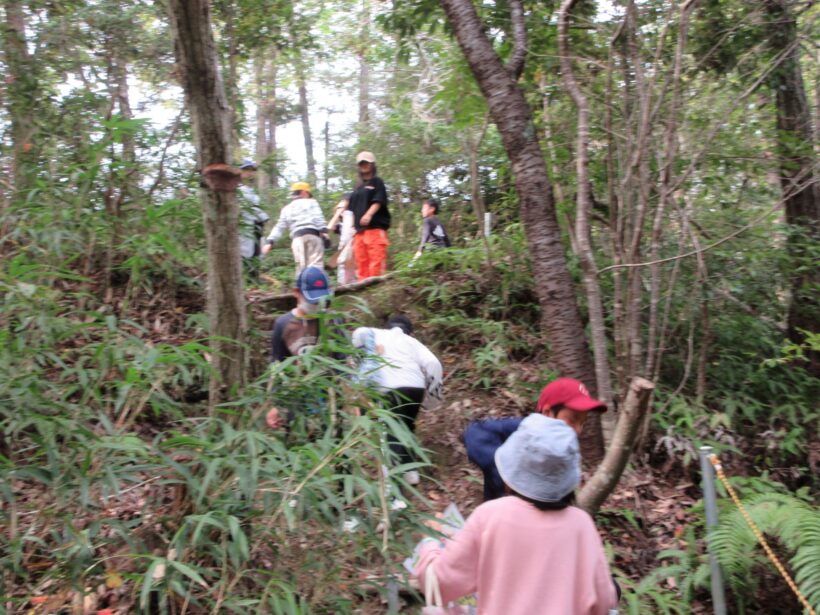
x=584, y=209
x=210, y=117
x=798, y=173
x=364, y=66
x=22, y=93
x=265, y=63
x=304, y=112
x=561, y=317
x=228, y=10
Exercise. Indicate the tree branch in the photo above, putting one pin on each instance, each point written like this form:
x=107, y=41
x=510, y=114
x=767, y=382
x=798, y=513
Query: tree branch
x=598, y=488
x=168, y=141
x=728, y=237
x=519, y=27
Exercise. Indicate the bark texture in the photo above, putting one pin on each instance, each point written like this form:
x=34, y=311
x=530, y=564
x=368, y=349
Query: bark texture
x=608, y=473
x=265, y=76
x=798, y=179
x=22, y=92
x=304, y=112
x=364, y=67
x=582, y=220
x=210, y=118
x=561, y=318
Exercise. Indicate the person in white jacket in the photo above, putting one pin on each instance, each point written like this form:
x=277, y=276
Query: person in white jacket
x=405, y=371
x=343, y=222
x=304, y=218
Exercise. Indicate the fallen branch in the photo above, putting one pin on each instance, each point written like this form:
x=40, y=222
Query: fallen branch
x=609, y=472
x=286, y=299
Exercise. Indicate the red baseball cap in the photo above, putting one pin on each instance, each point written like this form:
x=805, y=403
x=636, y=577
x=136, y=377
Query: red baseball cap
x=570, y=393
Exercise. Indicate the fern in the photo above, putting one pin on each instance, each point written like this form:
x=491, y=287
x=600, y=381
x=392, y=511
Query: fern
x=794, y=522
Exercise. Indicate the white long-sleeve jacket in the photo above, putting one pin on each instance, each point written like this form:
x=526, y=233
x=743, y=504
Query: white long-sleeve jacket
x=406, y=362
x=298, y=215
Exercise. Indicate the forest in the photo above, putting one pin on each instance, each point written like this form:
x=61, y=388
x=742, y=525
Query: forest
x=632, y=195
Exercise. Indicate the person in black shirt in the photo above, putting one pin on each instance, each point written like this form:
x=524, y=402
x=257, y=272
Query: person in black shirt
x=371, y=218
x=432, y=231
x=297, y=332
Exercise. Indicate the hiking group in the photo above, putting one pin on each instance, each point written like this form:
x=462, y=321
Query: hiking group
x=527, y=548
x=361, y=219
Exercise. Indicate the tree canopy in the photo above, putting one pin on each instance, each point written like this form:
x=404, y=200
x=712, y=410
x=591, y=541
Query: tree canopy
x=632, y=193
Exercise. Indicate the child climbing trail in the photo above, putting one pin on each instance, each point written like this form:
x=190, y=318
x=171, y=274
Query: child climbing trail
x=304, y=219
x=433, y=234
x=371, y=218
x=298, y=331
x=343, y=224
x=566, y=399
x=252, y=220
x=405, y=371
x=531, y=551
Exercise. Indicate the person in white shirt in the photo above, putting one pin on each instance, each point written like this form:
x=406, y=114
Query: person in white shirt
x=252, y=219
x=304, y=219
x=343, y=223
x=405, y=371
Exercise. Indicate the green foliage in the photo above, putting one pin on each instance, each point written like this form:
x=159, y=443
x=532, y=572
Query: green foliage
x=792, y=526
x=792, y=521
x=490, y=310
x=103, y=467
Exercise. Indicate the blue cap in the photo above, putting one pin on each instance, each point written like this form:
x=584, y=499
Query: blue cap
x=540, y=460
x=247, y=163
x=313, y=283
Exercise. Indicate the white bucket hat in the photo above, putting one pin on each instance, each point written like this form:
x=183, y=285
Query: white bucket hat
x=541, y=459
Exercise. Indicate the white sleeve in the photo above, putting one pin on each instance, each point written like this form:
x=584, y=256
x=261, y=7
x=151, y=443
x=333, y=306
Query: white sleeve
x=261, y=215
x=431, y=368
x=281, y=226
x=348, y=227
x=250, y=194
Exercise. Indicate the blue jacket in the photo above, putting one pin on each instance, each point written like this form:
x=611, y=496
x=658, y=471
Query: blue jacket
x=482, y=439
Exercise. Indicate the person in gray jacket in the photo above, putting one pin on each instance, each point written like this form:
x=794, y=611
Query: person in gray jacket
x=304, y=219
x=252, y=220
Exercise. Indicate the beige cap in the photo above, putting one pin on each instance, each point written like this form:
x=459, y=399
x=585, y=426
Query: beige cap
x=365, y=157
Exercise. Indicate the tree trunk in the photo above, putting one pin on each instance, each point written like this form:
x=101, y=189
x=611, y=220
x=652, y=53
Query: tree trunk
x=121, y=186
x=326, y=165
x=364, y=68
x=473, y=145
x=595, y=308
x=305, y=113
x=232, y=78
x=667, y=182
x=210, y=118
x=265, y=78
x=560, y=318
x=615, y=214
x=797, y=175
x=21, y=88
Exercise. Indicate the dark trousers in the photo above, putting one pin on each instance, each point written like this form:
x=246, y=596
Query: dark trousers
x=250, y=265
x=405, y=403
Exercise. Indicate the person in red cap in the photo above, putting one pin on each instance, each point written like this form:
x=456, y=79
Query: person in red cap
x=566, y=399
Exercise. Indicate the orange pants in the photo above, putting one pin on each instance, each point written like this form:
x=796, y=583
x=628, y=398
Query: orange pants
x=370, y=250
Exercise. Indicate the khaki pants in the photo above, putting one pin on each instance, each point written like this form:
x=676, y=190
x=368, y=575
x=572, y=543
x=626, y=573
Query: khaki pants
x=308, y=250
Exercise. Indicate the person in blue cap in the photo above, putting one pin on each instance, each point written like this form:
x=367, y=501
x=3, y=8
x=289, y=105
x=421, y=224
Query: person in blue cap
x=252, y=220
x=297, y=332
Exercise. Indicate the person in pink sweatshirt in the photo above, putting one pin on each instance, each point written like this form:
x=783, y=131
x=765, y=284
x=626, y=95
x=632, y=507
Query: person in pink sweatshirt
x=531, y=552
